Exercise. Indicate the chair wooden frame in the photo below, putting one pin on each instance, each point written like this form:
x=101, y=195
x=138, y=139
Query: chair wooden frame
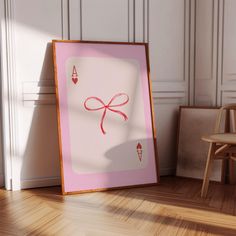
x=222, y=145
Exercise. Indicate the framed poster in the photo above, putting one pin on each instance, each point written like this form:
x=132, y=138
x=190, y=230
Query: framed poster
x=194, y=122
x=105, y=115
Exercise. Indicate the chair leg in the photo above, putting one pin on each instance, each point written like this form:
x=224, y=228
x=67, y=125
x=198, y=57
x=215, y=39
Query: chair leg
x=232, y=176
x=223, y=171
x=208, y=170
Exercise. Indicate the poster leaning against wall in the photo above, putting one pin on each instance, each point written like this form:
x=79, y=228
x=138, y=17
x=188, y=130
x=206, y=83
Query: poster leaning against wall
x=105, y=115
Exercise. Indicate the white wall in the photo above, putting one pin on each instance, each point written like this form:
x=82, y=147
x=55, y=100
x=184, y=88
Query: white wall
x=190, y=64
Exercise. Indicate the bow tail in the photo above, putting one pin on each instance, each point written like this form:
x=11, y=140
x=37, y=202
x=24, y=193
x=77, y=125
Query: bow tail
x=102, y=120
x=125, y=117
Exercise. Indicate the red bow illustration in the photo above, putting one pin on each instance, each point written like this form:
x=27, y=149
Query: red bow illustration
x=109, y=107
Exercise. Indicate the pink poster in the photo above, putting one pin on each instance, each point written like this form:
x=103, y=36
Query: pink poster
x=105, y=116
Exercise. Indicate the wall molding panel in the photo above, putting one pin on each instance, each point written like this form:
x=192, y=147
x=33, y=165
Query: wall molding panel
x=206, y=52
x=159, y=27
x=139, y=21
x=35, y=93
x=215, y=58
x=191, y=12
x=75, y=21
x=228, y=97
x=65, y=18
x=227, y=55
x=89, y=20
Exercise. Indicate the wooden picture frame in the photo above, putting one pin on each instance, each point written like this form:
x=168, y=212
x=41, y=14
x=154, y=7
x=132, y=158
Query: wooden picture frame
x=195, y=122
x=106, y=128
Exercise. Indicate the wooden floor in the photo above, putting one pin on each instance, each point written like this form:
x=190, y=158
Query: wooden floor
x=172, y=208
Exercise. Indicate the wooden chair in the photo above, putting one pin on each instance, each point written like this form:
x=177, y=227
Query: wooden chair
x=222, y=143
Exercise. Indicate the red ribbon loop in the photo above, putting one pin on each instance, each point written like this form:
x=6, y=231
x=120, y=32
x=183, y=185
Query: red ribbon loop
x=109, y=107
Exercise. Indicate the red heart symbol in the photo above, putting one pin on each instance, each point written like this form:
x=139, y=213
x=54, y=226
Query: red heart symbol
x=75, y=80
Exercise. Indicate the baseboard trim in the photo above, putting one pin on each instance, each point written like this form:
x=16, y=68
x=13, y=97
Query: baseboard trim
x=167, y=171
x=55, y=181
x=1, y=180
x=40, y=182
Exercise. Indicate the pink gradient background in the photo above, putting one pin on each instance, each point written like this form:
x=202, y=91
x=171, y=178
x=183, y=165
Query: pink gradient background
x=79, y=182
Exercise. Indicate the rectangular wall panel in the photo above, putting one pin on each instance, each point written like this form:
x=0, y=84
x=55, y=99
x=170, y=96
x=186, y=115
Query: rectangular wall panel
x=229, y=39
x=206, y=52
x=107, y=20
x=75, y=15
x=227, y=51
x=204, y=39
x=166, y=37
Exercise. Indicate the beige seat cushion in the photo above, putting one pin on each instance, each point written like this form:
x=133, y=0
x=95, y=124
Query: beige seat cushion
x=224, y=138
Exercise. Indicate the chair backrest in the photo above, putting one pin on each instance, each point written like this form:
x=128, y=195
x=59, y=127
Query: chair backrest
x=229, y=113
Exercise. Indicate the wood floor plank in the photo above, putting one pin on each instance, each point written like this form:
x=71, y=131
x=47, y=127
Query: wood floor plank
x=172, y=208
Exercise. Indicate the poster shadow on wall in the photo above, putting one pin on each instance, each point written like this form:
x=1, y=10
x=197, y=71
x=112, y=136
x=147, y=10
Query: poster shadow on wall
x=41, y=155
